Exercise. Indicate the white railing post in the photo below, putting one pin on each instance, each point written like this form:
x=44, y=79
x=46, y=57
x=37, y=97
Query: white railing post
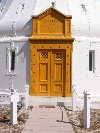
x=26, y=95
x=13, y=113
x=73, y=100
x=86, y=109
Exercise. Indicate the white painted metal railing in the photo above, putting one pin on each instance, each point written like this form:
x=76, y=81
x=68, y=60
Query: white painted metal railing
x=13, y=104
x=13, y=98
x=86, y=108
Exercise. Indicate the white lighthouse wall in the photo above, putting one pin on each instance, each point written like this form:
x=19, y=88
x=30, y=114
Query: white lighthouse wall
x=21, y=76
x=15, y=18
x=82, y=78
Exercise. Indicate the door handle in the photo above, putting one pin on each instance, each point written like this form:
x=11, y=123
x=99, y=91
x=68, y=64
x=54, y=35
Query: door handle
x=52, y=77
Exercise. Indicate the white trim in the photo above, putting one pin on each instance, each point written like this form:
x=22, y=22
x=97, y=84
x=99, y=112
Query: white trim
x=14, y=39
x=83, y=38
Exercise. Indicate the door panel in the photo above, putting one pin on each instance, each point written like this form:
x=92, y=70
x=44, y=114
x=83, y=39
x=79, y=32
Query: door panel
x=43, y=71
x=43, y=84
x=57, y=73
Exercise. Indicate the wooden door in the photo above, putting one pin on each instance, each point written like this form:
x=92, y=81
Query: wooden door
x=57, y=72
x=50, y=73
x=43, y=73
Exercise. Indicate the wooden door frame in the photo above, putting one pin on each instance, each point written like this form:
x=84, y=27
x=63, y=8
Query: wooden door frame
x=41, y=44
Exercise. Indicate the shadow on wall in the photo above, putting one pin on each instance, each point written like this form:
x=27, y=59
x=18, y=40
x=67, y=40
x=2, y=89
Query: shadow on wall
x=28, y=28
x=25, y=50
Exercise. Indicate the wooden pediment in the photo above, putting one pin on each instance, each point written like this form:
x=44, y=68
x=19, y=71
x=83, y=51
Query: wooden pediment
x=51, y=22
x=51, y=10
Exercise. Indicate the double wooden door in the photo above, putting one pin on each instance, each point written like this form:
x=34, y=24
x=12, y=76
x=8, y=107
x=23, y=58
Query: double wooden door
x=50, y=72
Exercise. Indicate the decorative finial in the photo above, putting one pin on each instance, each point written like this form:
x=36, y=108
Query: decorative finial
x=53, y=4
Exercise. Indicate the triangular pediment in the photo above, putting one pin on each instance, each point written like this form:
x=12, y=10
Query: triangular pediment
x=51, y=10
x=51, y=24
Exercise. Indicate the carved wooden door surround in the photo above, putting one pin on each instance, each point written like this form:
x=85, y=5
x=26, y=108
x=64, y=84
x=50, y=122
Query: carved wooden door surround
x=51, y=54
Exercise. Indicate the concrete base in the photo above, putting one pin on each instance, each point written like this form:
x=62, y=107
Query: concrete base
x=60, y=101
x=49, y=100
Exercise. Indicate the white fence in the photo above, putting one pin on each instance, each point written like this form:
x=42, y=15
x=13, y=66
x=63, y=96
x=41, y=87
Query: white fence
x=86, y=107
x=13, y=98
x=13, y=104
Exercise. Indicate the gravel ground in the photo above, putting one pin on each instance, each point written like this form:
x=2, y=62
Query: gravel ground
x=76, y=119
x=5, y=126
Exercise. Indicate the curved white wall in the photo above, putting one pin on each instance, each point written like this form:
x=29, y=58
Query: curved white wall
x=15, y=19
